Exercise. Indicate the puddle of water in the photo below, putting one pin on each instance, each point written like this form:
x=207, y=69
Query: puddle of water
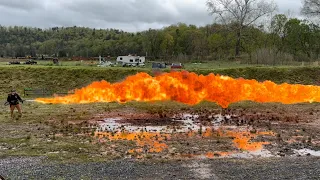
x=243, y=155
x=153, y=139
x=113, y=125
x=188, y=123
x=305, y=152
x=263, y=153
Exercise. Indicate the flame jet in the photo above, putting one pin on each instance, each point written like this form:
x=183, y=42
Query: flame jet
x=189, y=88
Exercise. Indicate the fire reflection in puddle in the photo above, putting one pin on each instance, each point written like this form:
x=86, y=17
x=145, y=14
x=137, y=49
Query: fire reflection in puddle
x=145, y=141
x=154, y=139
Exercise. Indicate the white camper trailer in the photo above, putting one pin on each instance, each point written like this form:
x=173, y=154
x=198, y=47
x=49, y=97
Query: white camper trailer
x=131, y=61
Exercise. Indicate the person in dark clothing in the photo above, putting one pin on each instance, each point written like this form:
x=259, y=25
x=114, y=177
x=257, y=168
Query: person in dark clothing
x=14, y=99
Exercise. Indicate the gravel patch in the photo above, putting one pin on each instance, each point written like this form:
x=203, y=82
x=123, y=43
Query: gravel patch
x=277, y=168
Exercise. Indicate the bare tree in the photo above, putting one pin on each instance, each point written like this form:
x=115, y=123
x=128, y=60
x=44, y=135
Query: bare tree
x=278, y=33
x=311, y=7
x=241, y=13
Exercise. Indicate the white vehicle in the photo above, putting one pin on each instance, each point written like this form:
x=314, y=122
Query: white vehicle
x=104, y=63
x=132, y=61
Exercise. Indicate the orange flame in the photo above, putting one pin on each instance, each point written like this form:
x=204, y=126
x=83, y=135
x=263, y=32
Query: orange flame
x=242, y=140
x=190, y=88
x=155, y=142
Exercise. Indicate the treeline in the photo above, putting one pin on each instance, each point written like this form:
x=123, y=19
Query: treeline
x=279, y=42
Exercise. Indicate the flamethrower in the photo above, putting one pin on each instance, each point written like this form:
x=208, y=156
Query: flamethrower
x=7, y=103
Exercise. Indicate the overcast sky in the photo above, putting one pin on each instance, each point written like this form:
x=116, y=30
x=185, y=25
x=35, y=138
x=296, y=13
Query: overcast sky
x=128, y=15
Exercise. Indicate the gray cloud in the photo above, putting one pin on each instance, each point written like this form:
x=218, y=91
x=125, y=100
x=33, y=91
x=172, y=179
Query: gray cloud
x=294, y=6
x=129, y=15
x=25, y=5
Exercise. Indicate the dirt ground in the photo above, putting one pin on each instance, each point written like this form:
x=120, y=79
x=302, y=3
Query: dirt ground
x=159, y=131
x=281, y=129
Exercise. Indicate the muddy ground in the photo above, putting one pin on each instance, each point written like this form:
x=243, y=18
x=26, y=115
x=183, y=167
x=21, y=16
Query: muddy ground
x=147, y=133
x=282, y=129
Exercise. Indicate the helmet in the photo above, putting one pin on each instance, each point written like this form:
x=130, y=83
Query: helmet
x=13, y=91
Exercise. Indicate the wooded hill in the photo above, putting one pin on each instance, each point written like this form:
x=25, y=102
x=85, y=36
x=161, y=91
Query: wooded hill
x=277, y=42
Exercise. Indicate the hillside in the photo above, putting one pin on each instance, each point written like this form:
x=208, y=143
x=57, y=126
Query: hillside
x=178, y=41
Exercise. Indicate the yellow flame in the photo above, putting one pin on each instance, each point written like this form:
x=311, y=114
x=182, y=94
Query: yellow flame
x=191, y=89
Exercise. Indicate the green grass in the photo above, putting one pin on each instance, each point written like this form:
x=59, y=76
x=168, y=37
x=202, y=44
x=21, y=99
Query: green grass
x=216, y=65
x=37, y=132
x=57, y=79
x=4, y=62
x=188, y=65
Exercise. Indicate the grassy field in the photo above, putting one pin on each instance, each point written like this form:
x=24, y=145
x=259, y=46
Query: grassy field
x=61, y=132
x=188, y=65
